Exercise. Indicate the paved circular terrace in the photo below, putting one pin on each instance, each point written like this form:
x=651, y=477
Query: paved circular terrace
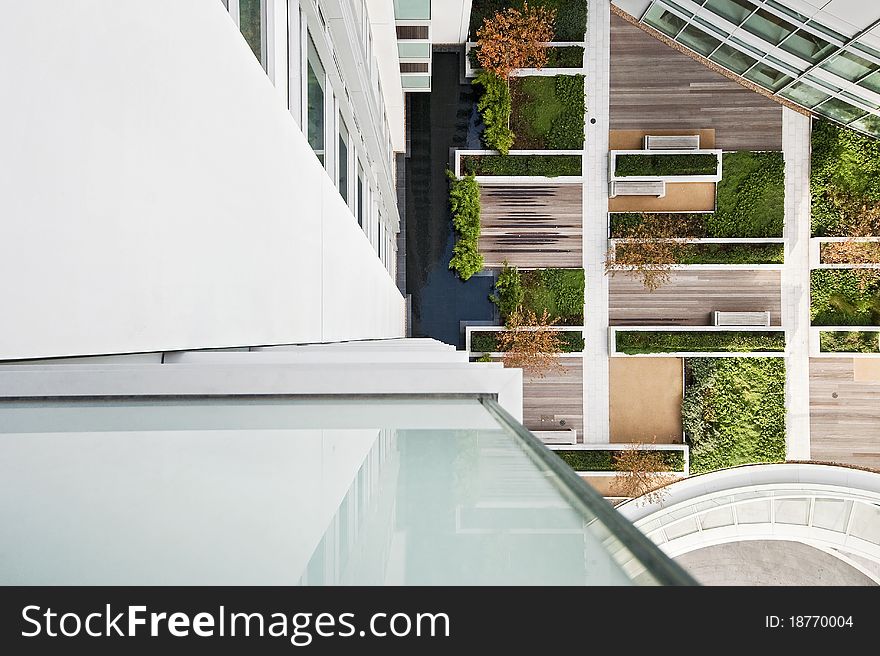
x=744, y=521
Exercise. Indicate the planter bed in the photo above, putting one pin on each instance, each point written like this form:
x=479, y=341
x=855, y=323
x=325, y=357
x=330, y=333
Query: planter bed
x=550, y=166
x=603, y=461
x=547, y=112
x=559, y=291
x=487, y=342
x=662, y=165
x=557, y=57
x=727, y=253
x=643, y=341
x=571, y=15
x=849, y=341
x=690, y=225
x=853, y=253
x=749, y=201
x=844, y=297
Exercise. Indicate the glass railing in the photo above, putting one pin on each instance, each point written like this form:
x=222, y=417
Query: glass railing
x=256, y=490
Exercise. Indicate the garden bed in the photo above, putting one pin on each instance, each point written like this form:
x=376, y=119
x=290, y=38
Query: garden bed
x=584, y=460
x=844, y=297
x=689, y=224
x=464, y=203
x=750, y=198
x=849, y=341
x=849, y=252
x=550, y=166
x=487, y=341
x=665, y=165
x=557, y=57
x=571, y=15
x=558, y=291
x=844, y=182
x=643, y=341
x=695, y=253
x=547, y=112
x=733, y=411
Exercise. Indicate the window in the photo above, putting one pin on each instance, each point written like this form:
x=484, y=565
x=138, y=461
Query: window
x=804, y=94
x=342, y=161
x=807, y=46
x=413, y=67
x=839, y=110
x=664, y=20
x=696, y=39
x=408, y=32
x=769, y=27
x=315, y=98
x=869, y=124
x=251, y=14
x=872, y=82
x=849, y=66
x=731, y=58
x=414, y=50
x=767, y=77
x=733, y=10
x=412, y=9
x=361, y=198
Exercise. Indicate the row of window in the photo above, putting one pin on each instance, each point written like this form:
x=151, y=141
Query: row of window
x=802, y=53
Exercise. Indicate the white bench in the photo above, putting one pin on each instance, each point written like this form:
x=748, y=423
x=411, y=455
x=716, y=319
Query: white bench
x=565, y=436
x=638, y=188
x=672, y=142
x=740, y=318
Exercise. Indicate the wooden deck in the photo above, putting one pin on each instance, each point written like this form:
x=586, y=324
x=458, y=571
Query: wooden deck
x=845, y=429
x=634, y=139
x=534, y=226
x=558, y=396
x=690, y=297
x=653, y=86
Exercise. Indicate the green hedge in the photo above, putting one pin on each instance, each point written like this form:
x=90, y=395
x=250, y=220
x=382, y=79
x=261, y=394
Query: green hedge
x=495, y=108
x=487, y=342
x=637, y=341
x=732, y=254
x=464, y=201
x=750, y=198
x=602, y=461
x=550, y=166
x=565, y=57
x=733, y=411
x=571, y=16
x=843, y=164
x=666, y=164
x=848, y=342
x=837, y=298
x=558, y=291
x=548, y=112
x=509, y=293
x=691, y=225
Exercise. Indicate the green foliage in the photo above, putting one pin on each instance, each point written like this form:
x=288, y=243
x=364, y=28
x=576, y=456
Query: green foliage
x=849, y=341
x=558, y=291
x=734, y=411
x=843, y=164
x=486, y=357
x=750, y=197
x=840, y=297
x=732, y=254
x=464, y=201
x=495, y=107
x=598, y=460
x=508, y=290
x=664, y=164
x=690, y=225
x=571, y=15
x=565, y=57
x=550, y=166
x=548, y=112
x=636, y=341
x=487, y=342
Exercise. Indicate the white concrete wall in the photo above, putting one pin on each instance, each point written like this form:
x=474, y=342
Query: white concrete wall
x=382, y=23
x=450, y=20
x=156, y=195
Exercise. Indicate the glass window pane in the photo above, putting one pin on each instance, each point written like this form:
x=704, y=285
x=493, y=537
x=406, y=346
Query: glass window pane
x=768, y=77
x=251, y=22
x=412, y=9
x=871, y=82
x=839, y=110
x=785, y=10
x=869, y=124
x=360, y=196
x=315, y=100
x=733, y=10
x=769, y=27
x=664, y=20
x=343, y=160
x=827, y=31
x=416, y=81
x=807, y=45
x=731, y=58
x=413, y=50
x=868, y=50
x=698, y=40
x=850, y=66
x=804, y=94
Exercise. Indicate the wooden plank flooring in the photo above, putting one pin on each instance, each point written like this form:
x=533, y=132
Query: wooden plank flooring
x=535, y=226
x=655, y=86
x=690, y=297
x=845, y=429
x=557, y=396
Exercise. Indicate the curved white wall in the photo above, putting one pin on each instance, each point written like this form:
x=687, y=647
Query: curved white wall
x=156, y=195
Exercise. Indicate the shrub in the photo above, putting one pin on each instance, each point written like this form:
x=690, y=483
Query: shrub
x=849, y=342
x=598, y=460
x=464, y=201
x=550, y=166
x=560, y=292
x=750, y=197
x=732, y=254
x=495, y=108
x=548, y=112
x=682, y=225
x=843, y=297
x=487, y=342
x=508, y=290
x=571, y=15
x=565, y=57
x=666, y=165
x=637, y=341
x=733, y=411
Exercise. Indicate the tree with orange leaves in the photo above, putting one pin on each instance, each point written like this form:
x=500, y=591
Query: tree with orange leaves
x=514, y=39
x=530, y=342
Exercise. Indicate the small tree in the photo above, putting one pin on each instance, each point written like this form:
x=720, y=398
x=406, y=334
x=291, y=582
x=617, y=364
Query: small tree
x=509, y=292
x=530, y=343
x=648, y=252
x=515, y=39
x=641, y=473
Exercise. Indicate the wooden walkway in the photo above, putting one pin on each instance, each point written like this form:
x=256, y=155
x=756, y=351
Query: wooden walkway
x=535, y=226
x=556, y=397
x=655, y=86
x=690, y=297
x=845, y=429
